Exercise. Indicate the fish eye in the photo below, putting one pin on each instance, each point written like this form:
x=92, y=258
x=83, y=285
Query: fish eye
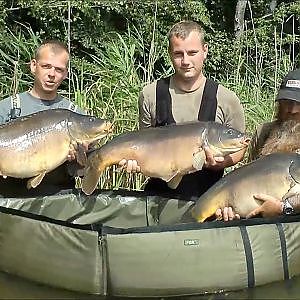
x=230, y=131
x=92, y=119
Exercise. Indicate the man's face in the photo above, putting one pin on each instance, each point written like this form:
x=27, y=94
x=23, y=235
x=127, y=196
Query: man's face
x=289, y=110
x=49, y=70
x=188, y=56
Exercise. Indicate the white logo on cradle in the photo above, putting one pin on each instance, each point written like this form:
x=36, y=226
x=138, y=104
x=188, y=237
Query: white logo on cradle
x=293, y=84
x=191, y=242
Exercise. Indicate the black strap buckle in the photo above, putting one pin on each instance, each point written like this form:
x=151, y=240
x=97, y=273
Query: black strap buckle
x=15, y=113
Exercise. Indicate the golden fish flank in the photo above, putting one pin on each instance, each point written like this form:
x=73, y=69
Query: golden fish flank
x=36, y=144
x=277, y=174
x=167, y=152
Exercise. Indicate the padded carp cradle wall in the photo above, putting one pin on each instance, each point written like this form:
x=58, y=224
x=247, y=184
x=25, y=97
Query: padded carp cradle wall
x=128, y=244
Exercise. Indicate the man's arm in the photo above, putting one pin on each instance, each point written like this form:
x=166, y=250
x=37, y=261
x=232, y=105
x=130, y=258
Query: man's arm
x=144, y=112
x=229, y=112
x=274, y=207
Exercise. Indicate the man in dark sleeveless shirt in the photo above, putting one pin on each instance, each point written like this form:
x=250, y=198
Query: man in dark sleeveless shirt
x=187, y=96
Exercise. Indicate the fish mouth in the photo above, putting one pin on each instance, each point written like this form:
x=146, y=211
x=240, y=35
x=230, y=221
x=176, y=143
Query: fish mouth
x=235, y=146
x=107, y=127
x=246, y=141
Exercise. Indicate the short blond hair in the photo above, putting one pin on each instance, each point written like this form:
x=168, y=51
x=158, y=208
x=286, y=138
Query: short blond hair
x=54, y=45
x=182, y=30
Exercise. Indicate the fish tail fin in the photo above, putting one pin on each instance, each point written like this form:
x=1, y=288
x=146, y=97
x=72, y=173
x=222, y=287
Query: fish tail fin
x=90, y=179
x=95, y=165
x=35, y=181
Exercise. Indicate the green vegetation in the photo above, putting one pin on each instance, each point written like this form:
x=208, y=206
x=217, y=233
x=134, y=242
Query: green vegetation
x=119, y=46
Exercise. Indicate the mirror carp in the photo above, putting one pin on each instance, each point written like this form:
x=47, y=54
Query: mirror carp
x=34, y=145
x=276, y=174
x=167, y=152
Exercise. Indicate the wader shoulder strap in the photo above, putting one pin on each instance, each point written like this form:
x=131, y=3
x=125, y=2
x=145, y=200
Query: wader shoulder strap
x=207, y=111
x=208, y=105
x=164, y=114
x=72, y=107
x=15, y=110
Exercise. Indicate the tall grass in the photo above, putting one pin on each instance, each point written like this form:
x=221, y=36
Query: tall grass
x=16, y=50
x=256, y=79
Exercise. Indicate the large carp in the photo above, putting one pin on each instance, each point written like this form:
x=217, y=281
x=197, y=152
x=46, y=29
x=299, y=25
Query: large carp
x=276, y=174
x=33, y=145
x=167, y=152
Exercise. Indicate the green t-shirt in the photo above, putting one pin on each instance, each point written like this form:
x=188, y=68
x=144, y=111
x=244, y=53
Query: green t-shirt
x=186, y=105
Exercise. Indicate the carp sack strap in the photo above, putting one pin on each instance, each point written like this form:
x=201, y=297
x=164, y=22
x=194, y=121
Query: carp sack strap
x=164, y=115
x=282, y=238
x=15, y=110
x=208, y=107
x=249, y=256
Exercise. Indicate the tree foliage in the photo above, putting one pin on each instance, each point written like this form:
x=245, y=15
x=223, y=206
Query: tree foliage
x=90, y=26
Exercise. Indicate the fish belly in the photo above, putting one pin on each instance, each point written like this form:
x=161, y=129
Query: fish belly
x=35, y=157
x=165, y=163
x=243, y=201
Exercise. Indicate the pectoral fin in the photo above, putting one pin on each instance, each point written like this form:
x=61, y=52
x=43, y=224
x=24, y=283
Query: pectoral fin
x=81, y=155
x=90, y=180
x=35, y=181
x=292, y=191
x=174, y=182
x=199, y=160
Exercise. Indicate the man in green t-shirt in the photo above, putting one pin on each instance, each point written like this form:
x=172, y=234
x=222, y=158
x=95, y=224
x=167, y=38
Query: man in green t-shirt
x=188, y=96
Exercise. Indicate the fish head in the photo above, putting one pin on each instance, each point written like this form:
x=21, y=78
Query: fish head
x=294, y=169
x=294, y=177
x=224, y=140
x=84, y=128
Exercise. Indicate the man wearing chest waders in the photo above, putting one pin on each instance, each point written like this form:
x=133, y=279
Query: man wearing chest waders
x=187, y=96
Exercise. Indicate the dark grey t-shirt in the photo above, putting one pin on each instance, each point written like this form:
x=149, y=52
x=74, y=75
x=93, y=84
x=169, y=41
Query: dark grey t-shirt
x=30, y=105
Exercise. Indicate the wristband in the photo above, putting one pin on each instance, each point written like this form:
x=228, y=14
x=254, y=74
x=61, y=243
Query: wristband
x=287, y=208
